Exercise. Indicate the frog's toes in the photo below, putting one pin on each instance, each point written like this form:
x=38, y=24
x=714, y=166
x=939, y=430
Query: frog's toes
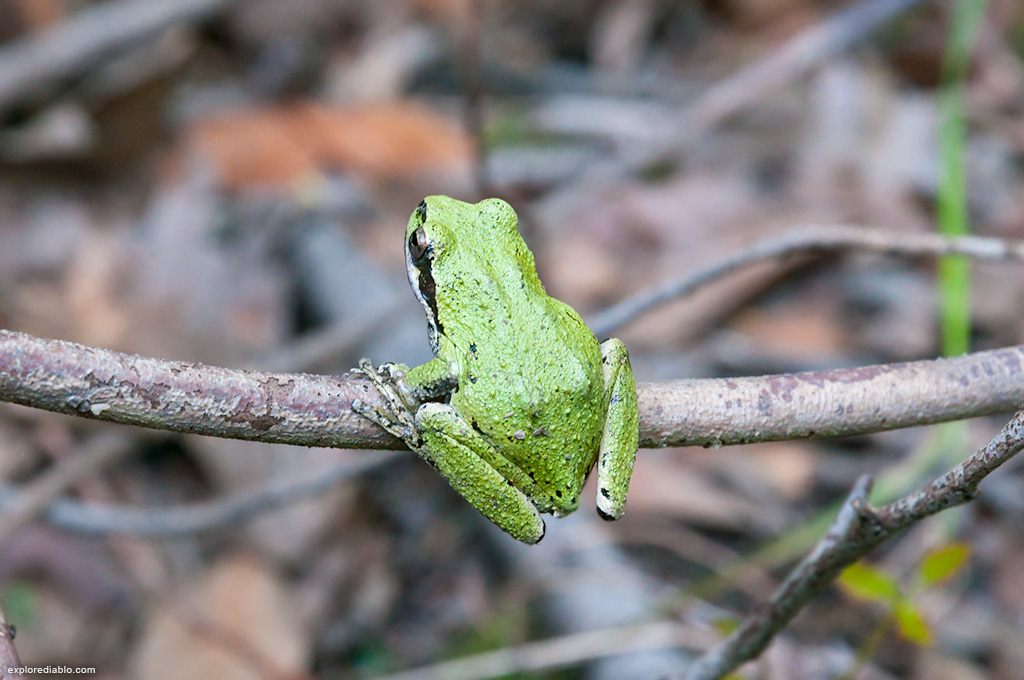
x=608, y=508
x=367, y=411
x=367, y=368
x=401, y=424
x=537, y=536
x=384, y=385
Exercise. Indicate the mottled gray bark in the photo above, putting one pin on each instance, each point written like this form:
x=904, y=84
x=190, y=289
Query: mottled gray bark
x=315, y=410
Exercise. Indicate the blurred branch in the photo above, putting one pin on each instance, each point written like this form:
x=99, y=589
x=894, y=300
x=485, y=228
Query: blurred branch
x=856, y=531
x=8, y=654
x=72, y=47
x=749, y=86
x=472, y=28
x=316, y=410
x=103, y=449
x=792, y=59
x=550, y=654
x=184, y=520
x=806, y=241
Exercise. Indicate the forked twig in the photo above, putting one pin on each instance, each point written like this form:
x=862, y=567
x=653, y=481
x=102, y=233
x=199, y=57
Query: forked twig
x=857, y=530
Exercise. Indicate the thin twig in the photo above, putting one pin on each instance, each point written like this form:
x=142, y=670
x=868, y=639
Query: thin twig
x=808, y=240
x=316, y=410
x=8, y=654
x=857, y=530
x=555, y=653
x=102, y=450
x=76, y=45
x=186, y=520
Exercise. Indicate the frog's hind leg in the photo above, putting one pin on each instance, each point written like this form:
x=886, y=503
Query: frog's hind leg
x=464, y=463
x=621, y=431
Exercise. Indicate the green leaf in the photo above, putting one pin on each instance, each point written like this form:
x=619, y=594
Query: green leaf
x=726, y=625
x=865, y=582
x=20, y=602
x=911, y=623
x=943, y=564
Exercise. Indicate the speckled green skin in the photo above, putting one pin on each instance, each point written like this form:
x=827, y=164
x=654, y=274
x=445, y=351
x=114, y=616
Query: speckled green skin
x=532, y=399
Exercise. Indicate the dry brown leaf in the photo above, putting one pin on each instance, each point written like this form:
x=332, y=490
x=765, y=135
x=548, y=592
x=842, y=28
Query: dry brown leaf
x=937, y=664
x=665, y=485
x=767, y=14
x=253, y=148
x=36, y=15
x=786, y=467
x=87, y=303
x=445, y=10
x=289, y=145
x=237, y=623
x=793, y=330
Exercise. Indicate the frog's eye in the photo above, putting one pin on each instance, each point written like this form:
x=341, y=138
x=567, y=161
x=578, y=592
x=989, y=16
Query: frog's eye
x=418, y=246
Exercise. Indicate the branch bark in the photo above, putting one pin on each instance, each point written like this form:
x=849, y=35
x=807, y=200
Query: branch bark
x=316, y=410
x=857, y=530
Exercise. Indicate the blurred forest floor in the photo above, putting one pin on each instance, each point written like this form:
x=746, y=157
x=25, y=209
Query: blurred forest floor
x=233, y=188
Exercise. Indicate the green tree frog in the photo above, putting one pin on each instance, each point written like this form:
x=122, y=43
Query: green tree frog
x=520, y=400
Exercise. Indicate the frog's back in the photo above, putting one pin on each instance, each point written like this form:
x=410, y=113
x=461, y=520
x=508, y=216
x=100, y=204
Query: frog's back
x=543, y=409
x=529, y=369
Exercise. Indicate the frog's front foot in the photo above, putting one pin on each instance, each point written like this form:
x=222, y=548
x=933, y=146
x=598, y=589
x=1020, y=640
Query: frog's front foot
x=395, y=415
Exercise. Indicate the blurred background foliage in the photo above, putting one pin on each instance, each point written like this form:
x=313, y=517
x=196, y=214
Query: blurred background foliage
x=231, y=186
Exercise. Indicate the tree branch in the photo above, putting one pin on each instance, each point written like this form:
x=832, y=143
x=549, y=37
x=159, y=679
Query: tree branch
x=817, y=404
x=307, y=410
x=316, y=410
x=856, y=531
x=806, y=241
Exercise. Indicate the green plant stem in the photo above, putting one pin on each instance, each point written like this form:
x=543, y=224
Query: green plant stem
x=953, y=215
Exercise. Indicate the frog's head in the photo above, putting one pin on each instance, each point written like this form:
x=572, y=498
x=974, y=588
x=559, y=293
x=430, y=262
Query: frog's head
x=449, y=244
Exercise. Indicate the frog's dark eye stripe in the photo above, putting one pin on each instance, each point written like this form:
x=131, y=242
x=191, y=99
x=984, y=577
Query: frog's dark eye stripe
x=429, y=290
x=421, y=212
x=420, y=254
x=418, y=246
